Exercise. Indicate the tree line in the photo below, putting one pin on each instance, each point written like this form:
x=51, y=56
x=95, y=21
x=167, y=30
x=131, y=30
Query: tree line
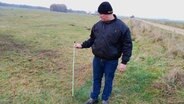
x=63, y=8
x=53, y=7
x=22, y=6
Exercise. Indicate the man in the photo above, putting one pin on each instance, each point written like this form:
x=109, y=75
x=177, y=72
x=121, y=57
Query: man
x=110, y=39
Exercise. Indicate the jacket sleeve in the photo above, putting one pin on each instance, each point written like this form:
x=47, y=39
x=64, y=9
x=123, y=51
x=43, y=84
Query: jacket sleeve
x=88, y=43
x=126, y=46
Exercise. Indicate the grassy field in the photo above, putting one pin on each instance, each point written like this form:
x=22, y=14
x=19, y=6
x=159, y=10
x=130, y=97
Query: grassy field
x=36, y=61
x=178, y=24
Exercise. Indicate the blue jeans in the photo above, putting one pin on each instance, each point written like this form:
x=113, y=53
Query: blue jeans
x=103, y=67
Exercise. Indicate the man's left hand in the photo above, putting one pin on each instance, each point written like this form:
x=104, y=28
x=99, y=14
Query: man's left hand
x=122, y=67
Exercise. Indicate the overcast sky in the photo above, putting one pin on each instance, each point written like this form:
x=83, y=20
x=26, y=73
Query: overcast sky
x=165, y=9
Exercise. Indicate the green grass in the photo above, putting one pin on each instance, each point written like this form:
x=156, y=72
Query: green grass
x=36, y=54
x=36, y=61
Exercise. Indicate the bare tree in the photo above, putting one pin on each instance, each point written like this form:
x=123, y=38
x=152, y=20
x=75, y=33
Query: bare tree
x=58, y=7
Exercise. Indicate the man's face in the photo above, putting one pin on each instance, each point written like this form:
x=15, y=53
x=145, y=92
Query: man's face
x=104, y=17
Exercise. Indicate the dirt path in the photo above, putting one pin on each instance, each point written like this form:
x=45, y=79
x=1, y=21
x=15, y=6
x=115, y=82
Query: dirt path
x=169, y=28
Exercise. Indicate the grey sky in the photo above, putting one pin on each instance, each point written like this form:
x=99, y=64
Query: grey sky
x=166, y=9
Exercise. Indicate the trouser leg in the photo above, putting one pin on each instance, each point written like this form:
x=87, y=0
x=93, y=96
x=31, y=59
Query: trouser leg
x=109, y=70
x=97, y=77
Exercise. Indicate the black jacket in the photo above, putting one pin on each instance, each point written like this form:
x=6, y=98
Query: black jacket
x=110, y=40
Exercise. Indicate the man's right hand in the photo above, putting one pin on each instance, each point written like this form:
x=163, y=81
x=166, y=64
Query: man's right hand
x=77, y=45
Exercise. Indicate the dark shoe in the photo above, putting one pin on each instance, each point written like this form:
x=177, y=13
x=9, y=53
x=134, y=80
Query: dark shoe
x=105, y=102
x=91, y=101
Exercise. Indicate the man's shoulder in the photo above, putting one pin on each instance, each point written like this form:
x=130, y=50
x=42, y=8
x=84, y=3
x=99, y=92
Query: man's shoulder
x=97, y=24
x=121, y=24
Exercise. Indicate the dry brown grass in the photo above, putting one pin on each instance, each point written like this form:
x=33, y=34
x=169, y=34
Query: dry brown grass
x=170, y=84
x=173, y=44
x=169, y=47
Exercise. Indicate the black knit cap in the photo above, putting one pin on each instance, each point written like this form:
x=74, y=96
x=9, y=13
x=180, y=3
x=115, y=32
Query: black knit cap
x=105, y=8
